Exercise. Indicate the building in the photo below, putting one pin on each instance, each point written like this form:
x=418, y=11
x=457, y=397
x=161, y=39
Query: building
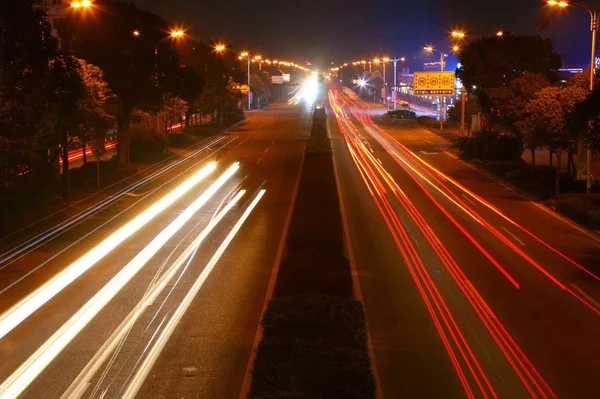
x=55, y=10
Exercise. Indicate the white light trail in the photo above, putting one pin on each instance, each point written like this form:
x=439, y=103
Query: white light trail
x=42, y=357
x=81, y=383
x=19, y=312
x=166, y=333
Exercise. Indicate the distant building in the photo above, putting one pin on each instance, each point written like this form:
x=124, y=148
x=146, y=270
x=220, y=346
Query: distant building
x=56, y=10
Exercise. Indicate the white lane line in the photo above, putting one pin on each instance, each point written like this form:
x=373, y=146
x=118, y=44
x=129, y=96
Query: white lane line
x=83, y=380
x=45, y=354
x=514, y=237
x=468, y=198
x=15, y=315
x=585, y=295
x=161, y=341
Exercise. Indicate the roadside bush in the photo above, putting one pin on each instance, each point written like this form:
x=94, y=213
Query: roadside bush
x=148, y=148
x=580, y=208
x=489, y=145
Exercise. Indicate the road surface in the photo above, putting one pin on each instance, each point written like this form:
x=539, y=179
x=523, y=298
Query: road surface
x=137, y=342
x=470, y=290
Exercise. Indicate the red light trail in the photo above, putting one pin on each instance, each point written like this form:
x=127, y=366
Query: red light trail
x=465, y=362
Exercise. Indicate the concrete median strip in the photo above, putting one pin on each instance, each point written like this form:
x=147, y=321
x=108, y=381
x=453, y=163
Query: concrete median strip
x=314, y=341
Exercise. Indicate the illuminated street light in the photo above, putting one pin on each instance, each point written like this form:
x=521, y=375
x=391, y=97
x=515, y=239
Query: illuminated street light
x=429, y=49
x=177, y=33
x=136, y=33
x=458, y=34
x=402, y=59
x=455, y=48
x=244, y=54
x=500, y=33
x=557, y=3
x=376, y=60
x=386, y=59
x=258, y=57
x=219, y=48
x=81, y=4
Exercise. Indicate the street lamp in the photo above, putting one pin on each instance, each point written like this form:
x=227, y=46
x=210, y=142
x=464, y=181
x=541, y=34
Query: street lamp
x=429, y=49
x=258, y=59
x=458, y=34
x=177, y=33
x=395, y=61
x=593, y=11
x=136, y=33
x=81, y=4
x=219, y=48
x=246, y=55
x=500, y=33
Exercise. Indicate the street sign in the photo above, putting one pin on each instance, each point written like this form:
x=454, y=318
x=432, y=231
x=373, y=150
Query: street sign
x=434, y=83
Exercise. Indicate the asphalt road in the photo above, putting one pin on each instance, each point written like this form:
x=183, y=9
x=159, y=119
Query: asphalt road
x=470, y=289
x=209, y=349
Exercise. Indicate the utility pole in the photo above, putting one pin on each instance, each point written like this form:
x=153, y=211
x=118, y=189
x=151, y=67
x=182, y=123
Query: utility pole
x=395, y=88
x=594, y=29
x=462, y=111
x=442, y=61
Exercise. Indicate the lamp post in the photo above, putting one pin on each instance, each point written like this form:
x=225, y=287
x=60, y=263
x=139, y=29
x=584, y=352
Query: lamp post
x=429, y=49
x=395, y=61
x=246, y=54
x=385, y=60
x=593, y=11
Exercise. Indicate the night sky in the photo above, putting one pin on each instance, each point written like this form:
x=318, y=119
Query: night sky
x=323, y=31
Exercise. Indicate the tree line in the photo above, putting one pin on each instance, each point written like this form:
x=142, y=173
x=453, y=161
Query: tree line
x=514, y=82
x=114, y=64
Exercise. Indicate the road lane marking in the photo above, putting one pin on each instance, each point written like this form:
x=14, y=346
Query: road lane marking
x=514, y=237
x=585, y=295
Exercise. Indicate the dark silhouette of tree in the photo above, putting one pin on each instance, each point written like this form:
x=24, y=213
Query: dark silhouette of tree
x=493, y=62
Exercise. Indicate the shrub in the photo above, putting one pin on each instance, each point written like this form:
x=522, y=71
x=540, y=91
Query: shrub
x=490, y=145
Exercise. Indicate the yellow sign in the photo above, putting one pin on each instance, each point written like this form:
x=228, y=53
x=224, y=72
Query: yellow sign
x=434, y=83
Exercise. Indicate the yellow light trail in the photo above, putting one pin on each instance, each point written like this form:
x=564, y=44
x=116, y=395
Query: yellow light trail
x=81, y=383
x=42, y=357
x=15, y=315
x=161, y=341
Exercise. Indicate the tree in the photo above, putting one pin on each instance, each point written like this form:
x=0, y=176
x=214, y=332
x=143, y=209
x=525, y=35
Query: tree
x=172, y=110
x=220, y=96
x=493, y=62
x=138, y=69
x=27, y=111
x=259, y=81
x=547, y=115
x=471, y=108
